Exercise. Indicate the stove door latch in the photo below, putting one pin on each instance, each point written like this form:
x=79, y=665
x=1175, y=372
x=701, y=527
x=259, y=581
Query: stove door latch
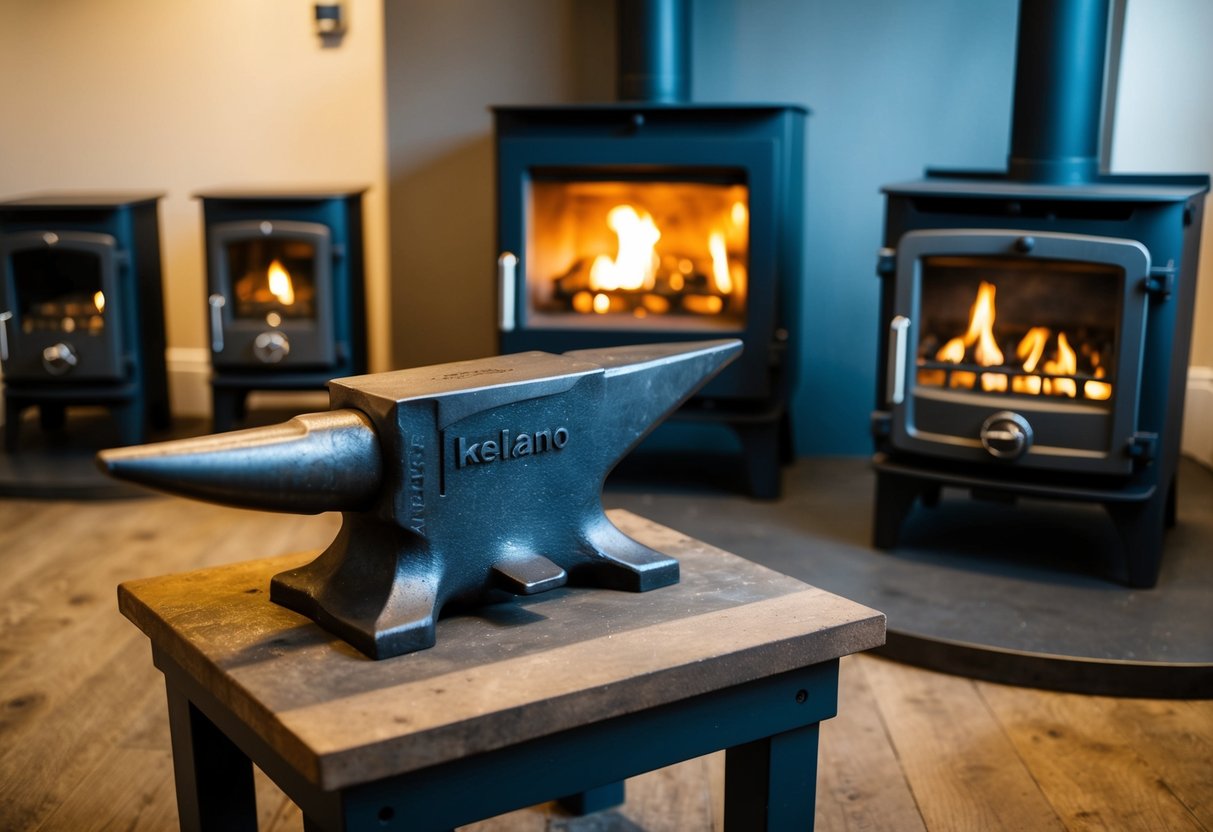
x=1159, y=282
x=1142, y=447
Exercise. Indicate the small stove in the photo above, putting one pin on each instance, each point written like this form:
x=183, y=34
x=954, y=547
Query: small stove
x=1036, y=324
x=656, y=220
x=285, y=292
x=81, y=310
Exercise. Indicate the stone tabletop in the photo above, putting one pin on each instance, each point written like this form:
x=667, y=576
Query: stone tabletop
x=499, y=675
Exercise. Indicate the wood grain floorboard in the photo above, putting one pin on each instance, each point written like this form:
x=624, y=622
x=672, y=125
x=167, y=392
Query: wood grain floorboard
x=84, y=741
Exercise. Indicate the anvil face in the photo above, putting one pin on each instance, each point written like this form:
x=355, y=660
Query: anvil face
x=489, y=482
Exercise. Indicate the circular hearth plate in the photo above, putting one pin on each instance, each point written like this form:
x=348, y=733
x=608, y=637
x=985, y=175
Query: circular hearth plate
x=1025, y=594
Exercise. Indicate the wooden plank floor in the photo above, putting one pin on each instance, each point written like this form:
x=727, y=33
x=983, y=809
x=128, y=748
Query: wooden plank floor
x=84, y=737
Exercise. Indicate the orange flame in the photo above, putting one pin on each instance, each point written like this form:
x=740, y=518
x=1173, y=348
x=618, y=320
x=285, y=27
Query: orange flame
x=635, y=264
x=280, y=283
x=1066, y=364
x=99, y=301
x=720, y=263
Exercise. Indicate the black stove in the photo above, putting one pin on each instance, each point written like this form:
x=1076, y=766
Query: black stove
x=81, y=311
x=1036, y=324
x=655, y=220
x=285, y=302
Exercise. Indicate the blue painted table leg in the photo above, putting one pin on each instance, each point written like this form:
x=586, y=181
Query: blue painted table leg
x=594, y=800
x=771, y=783
x=214, y=777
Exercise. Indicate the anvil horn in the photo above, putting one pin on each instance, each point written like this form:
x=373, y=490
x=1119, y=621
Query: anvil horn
x=312, y=463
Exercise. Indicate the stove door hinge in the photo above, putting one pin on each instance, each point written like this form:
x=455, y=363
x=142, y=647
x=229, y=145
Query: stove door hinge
x=1142, y=447
x=1160, y=281
x=122, y=259
x=886, y=262
x=338, y=252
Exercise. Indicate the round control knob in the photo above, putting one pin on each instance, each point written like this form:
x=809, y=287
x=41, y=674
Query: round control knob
x=271, y=347
x=1006, y=435
x=59, y=359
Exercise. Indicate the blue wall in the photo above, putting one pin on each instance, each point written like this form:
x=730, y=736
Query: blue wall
x=893, y=86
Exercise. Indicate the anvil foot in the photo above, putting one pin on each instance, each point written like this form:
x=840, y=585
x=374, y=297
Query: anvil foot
x=615, y=561
x=398, y=616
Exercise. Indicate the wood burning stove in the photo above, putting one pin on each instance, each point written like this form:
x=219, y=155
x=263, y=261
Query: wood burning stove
x=81, y=314
x=1036, y=325
x=285, y=293
x=657, y=220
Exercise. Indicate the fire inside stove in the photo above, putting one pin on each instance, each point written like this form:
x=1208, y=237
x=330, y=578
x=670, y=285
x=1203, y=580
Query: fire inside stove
x=273, y=279
x=639, y=252
x=59, y=291
x=1039, y=328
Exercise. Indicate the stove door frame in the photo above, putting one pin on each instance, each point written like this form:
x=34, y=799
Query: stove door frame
x=1066, y=430
x=757, y=159
x=25, y=351
x=232, y=339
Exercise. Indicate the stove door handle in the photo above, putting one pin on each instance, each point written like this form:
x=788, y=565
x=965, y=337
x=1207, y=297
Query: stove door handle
x=4, y=319
x=507, y=282
x=216, y=302
x=899, y=332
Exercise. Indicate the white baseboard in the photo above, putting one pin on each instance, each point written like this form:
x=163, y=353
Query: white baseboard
x=1197, y=439
x=189, y=381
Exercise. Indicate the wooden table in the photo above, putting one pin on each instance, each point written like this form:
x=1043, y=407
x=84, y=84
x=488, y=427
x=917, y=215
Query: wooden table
x=563, y=693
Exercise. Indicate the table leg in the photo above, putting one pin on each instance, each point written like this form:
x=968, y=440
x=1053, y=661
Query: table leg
x=214, y=778
x=594, y=800
x=771, y=783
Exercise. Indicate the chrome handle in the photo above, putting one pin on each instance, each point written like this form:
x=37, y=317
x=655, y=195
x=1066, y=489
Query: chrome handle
x=895, y=386
x=507, y=281
x=217, y=302
x=4, y=319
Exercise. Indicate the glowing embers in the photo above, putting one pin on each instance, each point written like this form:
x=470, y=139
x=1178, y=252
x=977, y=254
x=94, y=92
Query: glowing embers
x=639, y=249
x=1058, y=340
x=273, y=279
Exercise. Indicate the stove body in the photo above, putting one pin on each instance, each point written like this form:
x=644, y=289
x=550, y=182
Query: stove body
x=658, y=220
x=1111, y=267
x=285, y=293
x=81, y=310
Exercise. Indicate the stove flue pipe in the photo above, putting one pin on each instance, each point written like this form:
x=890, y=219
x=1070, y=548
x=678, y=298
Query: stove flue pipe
x=654, y=39
x=1059, y=80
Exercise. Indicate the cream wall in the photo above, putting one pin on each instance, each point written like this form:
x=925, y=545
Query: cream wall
x=178, y=97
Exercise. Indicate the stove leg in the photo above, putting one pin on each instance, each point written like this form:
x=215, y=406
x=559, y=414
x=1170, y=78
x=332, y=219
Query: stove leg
x=1141, y=527
x=762, y=451
x=228, y=408
x=129, y=417
x=52, y=416
x=895, y=497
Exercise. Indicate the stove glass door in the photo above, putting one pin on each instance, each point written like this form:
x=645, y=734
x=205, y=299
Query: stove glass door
x=61, y=306
x=270, y=301
x=1018, y=347
x=638, y=252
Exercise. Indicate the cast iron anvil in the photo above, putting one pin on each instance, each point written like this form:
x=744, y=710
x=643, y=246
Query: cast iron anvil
x=459, y=484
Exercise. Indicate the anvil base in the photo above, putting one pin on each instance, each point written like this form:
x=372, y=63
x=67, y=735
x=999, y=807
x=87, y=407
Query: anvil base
x=384, y=596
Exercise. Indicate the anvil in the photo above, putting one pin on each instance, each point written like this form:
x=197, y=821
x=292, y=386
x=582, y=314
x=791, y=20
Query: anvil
x=459, y=484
